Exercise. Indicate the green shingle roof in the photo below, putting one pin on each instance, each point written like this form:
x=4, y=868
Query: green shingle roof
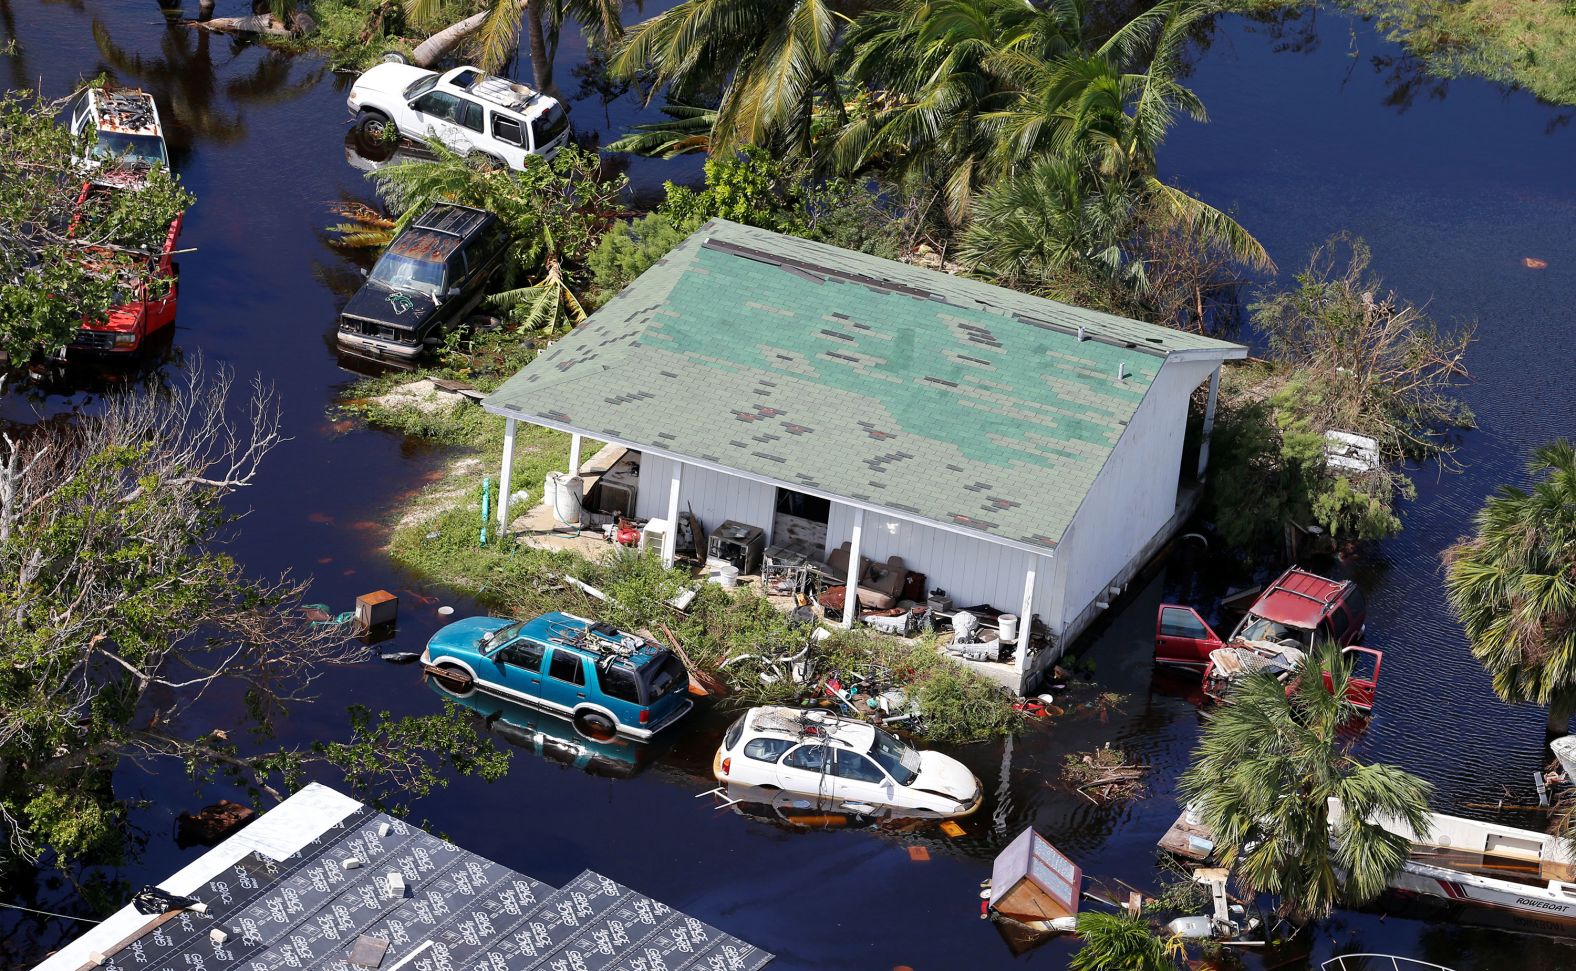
x=936, y=397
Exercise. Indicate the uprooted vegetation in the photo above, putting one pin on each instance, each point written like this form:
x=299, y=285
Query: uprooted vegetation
x=1105, y=775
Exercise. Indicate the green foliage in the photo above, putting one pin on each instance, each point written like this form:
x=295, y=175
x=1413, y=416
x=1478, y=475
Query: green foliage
x=1120, y=942
x=386, y=761
x=555, y=212
x=354, y=34
x=745, y=186
x=629, y=249
x=54, y=274
x=1513, y=585
x=1347, y=357
x=1264, y=773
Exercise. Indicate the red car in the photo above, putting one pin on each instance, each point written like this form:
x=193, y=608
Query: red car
x=1295, y=612
x=146, y=294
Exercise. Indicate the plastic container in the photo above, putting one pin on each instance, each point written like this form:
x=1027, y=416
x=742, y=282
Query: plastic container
x=1008, y=625
x=564, y=494
x=725, y=575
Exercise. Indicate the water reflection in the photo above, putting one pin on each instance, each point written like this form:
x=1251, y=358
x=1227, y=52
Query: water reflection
x=550, y=737
x=184, y=78
x=799, y=811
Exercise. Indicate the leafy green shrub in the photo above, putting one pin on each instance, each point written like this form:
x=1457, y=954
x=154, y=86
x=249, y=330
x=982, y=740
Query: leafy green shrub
x=629, y=249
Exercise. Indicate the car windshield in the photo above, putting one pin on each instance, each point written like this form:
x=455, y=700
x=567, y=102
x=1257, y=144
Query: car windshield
x=404, y=273
x=900, y=760
x=1263, y=629
x=136, y=149
x=420, y=87
x=502, y=635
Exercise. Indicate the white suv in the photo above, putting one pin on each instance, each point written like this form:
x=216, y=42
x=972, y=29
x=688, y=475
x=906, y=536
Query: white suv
x=470, y=112
x=129, y=138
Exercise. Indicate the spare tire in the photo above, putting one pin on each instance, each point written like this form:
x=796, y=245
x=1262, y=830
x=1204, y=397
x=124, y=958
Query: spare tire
x=595, y=726
x=394, y=57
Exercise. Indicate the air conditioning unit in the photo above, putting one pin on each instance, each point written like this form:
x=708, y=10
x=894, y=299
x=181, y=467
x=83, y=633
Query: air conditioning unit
x=614, y=498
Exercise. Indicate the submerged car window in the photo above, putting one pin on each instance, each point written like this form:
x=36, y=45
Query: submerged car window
x=566, y=666
x=138, y=149
x=522, y=654
x=440, y=105
x=619, y=682
x=403, y=273
x=900, y=760
x=1181, y=622
x=767, y=749
x=1260, y=629
x=502, y=635
x=809, y=757
x=549, y=125
x=420, y=87
x=852, y=765
x=507, y=130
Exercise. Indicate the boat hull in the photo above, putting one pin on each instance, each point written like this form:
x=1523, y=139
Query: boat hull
x=1556, y=903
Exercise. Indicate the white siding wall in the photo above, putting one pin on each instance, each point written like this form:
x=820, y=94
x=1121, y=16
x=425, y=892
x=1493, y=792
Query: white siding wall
x=714, y=496
x=1133, y=496
x=971, y=570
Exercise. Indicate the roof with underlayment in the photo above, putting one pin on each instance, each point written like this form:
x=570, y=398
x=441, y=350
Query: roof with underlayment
x=933, y=397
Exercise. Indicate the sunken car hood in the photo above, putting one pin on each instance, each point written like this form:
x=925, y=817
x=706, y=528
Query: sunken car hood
x=949, y=777
x=462, y=635
x=410, y=309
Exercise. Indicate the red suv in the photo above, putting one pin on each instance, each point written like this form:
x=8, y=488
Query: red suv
x=1295, y=612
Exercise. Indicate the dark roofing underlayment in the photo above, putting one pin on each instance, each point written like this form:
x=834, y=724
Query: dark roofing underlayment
x=455, y=912
x=940, y=398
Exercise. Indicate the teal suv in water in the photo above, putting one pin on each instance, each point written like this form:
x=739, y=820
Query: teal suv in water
x=603, y=680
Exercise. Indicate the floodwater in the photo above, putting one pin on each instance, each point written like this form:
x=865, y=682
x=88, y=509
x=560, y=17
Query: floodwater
x=1317, y=126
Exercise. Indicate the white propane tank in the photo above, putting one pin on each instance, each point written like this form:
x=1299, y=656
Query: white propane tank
x=1008, y=625
x=563, y=493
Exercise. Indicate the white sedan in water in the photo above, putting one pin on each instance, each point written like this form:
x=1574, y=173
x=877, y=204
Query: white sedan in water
x=843, y=760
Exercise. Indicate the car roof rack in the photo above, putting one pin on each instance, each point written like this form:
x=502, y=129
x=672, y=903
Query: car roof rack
x=451, y=219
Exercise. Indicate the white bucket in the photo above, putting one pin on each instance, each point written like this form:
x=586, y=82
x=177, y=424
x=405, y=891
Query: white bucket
x=1009, y=627
x=725, y=575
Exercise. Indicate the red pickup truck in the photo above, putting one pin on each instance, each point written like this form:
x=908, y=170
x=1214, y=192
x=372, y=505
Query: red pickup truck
x=1294, y=613
x=146, y=291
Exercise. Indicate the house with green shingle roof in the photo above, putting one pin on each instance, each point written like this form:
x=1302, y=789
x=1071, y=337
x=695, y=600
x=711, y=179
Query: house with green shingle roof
x=1020, y=453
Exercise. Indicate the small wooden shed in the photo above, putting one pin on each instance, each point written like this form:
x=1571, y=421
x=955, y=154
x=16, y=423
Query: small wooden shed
x=1032, y=881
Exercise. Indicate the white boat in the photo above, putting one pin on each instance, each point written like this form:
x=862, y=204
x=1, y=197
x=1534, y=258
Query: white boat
x=1378, y=962
x=1485, y=864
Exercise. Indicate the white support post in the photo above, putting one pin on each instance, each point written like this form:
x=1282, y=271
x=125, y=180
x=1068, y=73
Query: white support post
x=1209, y=422
x=1020, y=657
x=670, y=539
x=851, y=595
x=574, y=454
x=506, y=474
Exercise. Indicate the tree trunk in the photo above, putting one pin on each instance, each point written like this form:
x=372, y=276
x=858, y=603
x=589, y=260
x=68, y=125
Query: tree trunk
x=541, y=58
x=244, y=25
x=1559, y=718
x=438, y=46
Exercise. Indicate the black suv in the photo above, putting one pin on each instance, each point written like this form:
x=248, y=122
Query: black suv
x=428, y=281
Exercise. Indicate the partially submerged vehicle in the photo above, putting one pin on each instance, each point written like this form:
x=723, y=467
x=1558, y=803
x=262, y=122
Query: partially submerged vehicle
x=1296, y=612
x=146, y=283
x=429, y=280
x=550, y=736
x=121, y=131
x=604, y=681
x=1465, y=861
x=466, y=109
x=851, y=764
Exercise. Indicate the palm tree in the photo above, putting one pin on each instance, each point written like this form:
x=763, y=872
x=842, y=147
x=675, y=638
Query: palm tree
x=498, y=32
x=1513, y=585
x=1052, y=222
x=1121, y=942
x=1114, y=106
x=688, y=129
x=766, y=61
x=932, y=69
x=1262, y=779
